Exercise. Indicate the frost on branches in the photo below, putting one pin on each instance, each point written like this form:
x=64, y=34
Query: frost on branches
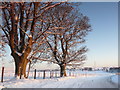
x=45, y=31
x=65, y=37
x=23, y=27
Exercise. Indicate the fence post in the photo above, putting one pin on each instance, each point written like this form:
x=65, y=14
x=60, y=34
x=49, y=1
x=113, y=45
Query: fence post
x=50, y=74
x=69, y=73
x=44, y=74
x=2, y=74
x=35, y=74
x=55, y=73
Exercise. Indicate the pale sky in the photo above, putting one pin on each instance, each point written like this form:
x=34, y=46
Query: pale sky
x=102, y=42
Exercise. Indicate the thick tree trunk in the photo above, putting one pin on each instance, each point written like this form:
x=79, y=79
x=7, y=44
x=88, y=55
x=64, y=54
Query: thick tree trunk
x=63, y=70
x=21, y=61
x=17, y=69
x=20, y=68
x=20, y=65
x=23, y=65
x=16, y=60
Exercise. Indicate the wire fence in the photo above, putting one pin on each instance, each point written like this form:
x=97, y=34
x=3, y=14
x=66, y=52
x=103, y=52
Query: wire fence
x=36, y=74
x=41, y=74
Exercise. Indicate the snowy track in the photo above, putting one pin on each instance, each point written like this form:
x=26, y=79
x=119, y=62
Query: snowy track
x=95, y=80
x=99, y=82
x=88, y=82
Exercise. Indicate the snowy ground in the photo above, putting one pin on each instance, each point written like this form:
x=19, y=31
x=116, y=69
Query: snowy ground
x=82, y=79
x=116, y=79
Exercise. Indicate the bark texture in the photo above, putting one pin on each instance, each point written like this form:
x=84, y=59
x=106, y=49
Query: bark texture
x=21, y=27
x=63, y=70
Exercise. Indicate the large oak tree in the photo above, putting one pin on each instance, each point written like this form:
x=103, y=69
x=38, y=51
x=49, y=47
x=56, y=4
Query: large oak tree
x=64, y=42
x=22, y=25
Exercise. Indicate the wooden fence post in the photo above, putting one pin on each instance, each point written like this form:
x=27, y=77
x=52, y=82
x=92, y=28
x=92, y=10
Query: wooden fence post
x=55, y=73
x=35, y=74
x=44, y=74
x=69, y=73
x=50, y=74
x=2, y=74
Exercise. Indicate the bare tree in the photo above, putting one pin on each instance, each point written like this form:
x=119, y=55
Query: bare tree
x=2, y=46
x=67, y=30
x=23, y=26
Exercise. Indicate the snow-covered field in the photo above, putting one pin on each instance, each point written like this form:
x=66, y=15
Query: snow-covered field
x=81, y=79
x=116, y=79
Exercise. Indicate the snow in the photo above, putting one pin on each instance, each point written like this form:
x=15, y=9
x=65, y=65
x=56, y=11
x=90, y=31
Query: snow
x=19, y=54
x=2, y=87
x=30, y=36
x=81, y=79
x=115, y=79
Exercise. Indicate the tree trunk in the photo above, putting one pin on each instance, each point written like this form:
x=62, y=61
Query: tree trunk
x=29, y=69
x=20, y=68
x=23, y=66
x=20, y=65
x=63, y=70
